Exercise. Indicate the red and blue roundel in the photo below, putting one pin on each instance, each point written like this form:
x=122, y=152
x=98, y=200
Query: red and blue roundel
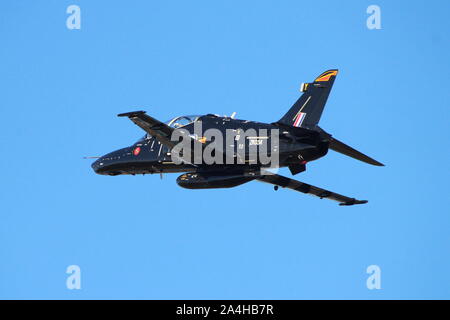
x=136, y=151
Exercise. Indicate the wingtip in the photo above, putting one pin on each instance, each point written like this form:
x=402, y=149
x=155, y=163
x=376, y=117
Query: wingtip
x=377, y=163
x=130, y=114
x=352, y=202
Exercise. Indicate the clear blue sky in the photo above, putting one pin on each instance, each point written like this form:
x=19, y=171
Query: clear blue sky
x=142, y=237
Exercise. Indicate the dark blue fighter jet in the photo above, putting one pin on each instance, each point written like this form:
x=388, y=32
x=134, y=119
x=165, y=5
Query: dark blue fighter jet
x=298, y=137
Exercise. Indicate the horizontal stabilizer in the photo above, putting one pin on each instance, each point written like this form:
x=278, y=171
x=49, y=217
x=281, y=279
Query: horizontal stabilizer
x=341, y=147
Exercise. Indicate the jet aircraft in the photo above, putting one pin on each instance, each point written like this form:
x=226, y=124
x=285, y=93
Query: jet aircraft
x=300, y=140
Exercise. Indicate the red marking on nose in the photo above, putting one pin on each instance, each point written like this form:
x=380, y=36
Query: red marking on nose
x=136, y=151
x=304, y=162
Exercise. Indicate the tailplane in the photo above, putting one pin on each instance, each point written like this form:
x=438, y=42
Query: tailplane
x=341, y=147
x=306, y=112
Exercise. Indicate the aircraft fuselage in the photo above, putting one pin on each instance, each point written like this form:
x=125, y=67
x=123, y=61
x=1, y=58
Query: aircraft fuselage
x=147, y=156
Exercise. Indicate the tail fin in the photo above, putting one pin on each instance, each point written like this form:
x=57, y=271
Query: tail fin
x=307, y=110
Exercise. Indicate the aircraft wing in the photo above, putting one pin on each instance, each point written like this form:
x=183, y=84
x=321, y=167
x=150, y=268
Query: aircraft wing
x=161, y=131
x=296, y=185
x=156, y=128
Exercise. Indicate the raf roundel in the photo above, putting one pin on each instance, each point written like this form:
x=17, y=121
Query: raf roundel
x=136, y=151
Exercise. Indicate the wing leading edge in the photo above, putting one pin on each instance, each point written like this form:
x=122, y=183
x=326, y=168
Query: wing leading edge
x=161, y=131
x=296, y=185
x=156, y=128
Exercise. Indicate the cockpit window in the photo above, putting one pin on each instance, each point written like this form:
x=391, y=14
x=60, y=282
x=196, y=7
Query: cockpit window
x=176, y=123
x=182, y=121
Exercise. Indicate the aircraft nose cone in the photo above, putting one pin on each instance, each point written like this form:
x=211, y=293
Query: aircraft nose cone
x=97, y=164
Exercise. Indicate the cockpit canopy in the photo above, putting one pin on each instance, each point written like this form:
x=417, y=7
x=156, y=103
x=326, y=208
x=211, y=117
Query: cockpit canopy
x=182, y=121
x=176, y=123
